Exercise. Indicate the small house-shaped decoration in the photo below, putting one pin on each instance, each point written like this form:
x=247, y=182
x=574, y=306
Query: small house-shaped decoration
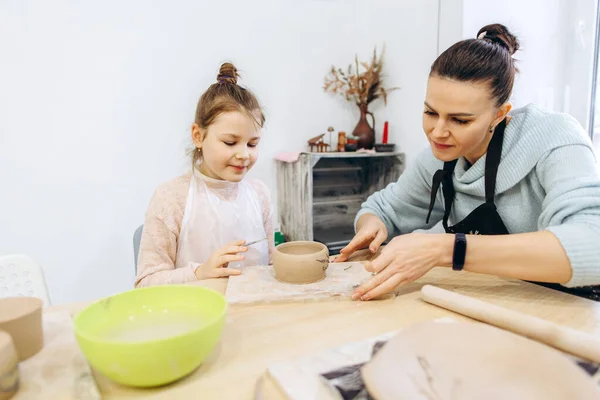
x=318, y=143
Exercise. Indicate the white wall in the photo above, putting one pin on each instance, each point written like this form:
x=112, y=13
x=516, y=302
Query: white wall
x=96, y=99
x=557, y=48
x=450, y=23
x=581, y=37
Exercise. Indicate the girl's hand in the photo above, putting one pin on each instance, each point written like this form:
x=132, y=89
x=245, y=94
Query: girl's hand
x=371, y=231
x=405, y=259
x=216, y=266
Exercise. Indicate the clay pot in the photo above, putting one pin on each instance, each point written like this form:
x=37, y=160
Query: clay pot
x=21, y=318
x=300, y=262
x=9, y=371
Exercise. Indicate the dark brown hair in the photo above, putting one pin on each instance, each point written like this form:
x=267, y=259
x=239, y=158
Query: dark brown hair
x=485, y=59
x=223, y=96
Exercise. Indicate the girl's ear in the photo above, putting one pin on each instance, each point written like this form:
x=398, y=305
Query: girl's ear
x=198, y=135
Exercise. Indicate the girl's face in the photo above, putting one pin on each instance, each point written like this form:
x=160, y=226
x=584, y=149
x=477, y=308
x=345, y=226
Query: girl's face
x=458, y=116
x=229, y=146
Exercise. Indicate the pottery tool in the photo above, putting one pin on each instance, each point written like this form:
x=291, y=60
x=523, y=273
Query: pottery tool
x=569, y=340
x=254, y=242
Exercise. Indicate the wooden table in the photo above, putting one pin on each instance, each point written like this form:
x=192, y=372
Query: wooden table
x=256, y=336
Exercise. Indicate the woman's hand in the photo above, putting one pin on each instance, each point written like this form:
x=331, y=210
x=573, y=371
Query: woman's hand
x=405, y=259
x=216, y=265
x=371, y=231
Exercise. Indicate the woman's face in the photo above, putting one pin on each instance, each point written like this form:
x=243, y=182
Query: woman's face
x=457, y=118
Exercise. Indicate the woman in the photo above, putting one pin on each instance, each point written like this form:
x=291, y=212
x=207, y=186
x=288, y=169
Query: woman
x=520, y=195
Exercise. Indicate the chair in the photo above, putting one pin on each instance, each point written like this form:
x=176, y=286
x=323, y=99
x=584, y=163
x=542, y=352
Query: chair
x=137, y=238
x=22, y=276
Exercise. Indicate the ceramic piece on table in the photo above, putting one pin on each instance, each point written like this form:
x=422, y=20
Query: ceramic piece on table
x=21, y=317
x=351, y=143
x=384, y=147
x=300, y=262
x=9, y=367
x=463, y=360
x=349, y=147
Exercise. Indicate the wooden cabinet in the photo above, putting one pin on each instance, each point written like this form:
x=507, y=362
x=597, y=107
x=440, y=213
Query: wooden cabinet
x=319, y=195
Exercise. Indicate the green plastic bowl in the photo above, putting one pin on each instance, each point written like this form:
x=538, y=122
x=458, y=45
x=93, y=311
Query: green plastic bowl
x=151, y=336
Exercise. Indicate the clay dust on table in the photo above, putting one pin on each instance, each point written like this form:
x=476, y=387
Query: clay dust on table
x=258, y=285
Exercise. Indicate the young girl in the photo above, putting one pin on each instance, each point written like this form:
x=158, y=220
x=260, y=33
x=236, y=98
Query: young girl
x=197, y=224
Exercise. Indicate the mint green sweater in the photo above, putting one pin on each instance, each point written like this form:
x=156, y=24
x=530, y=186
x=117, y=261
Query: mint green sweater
x=547, y=180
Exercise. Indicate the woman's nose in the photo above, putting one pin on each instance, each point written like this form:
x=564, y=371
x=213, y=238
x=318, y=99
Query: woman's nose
x=440, y=130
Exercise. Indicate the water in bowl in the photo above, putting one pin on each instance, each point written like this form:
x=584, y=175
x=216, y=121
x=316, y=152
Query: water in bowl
x=152, y=326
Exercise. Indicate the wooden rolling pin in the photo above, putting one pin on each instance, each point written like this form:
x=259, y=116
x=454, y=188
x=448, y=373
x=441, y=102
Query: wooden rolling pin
x=578, y=343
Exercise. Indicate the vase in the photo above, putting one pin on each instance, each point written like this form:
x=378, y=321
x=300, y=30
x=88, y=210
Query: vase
x=363, y=131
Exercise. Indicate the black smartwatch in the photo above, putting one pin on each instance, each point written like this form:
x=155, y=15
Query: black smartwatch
x=460, y=251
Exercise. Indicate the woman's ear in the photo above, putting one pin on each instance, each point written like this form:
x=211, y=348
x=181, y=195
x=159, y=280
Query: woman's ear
x=502, y=113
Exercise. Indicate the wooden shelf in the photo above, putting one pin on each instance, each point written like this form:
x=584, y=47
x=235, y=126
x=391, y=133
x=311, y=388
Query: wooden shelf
x=352, y=154
x=337, y=169
x=320, y=194
x=334, y=185
x=331, y=201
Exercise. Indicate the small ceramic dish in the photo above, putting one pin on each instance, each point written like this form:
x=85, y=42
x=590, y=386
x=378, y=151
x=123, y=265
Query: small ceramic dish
x=21, y=318
x=300, y=262
x=384, y=147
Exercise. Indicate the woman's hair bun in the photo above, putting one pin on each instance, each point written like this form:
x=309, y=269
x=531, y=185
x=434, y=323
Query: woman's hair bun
x=499, y=34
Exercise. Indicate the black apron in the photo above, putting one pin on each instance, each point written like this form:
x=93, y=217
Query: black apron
x=485, y=220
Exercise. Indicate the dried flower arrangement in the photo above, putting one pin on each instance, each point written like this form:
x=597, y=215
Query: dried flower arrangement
x=360, y=87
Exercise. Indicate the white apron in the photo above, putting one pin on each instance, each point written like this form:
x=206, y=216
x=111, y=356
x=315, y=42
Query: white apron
x=217, y=213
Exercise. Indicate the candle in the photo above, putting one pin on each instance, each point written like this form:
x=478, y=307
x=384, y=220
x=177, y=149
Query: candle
x=385, y=132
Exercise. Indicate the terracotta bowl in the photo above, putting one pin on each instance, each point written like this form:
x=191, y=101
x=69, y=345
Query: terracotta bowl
x=300, y=262
x=21, y=318
x=9, y=371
